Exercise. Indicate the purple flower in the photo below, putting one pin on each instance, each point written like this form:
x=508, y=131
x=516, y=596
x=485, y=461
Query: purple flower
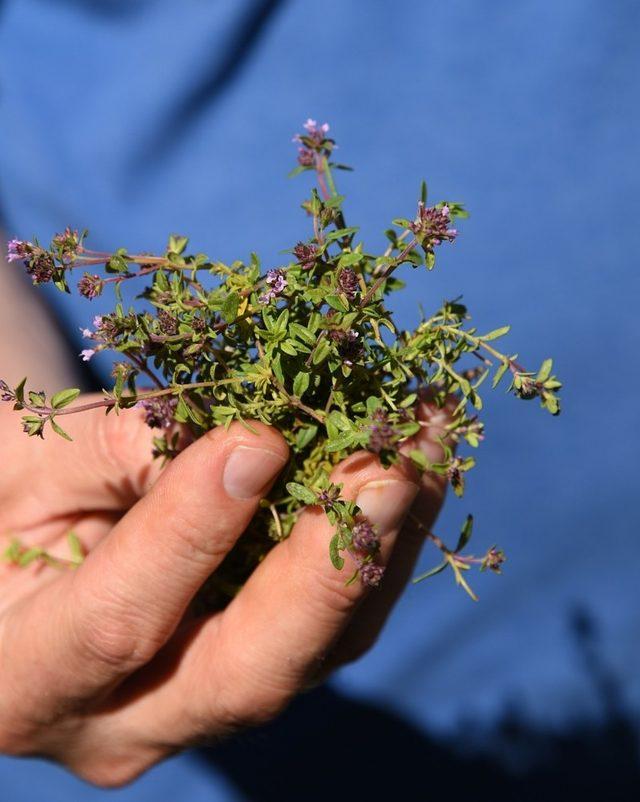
x=348, y=282
x=87, y=353
x=276, y=281
x=349, y=344
x=364, y=537
x=313, y=129
x=371, y=574
x=40, y=266
x=327, y=498
x=313, y=140
x=18, y=250
x=6, y=393
x=431, y=225
x=168, y=323
x=305, y=157
x=90, y=286
x=68, y=242
x=383, y=436
x=493, y=560
x=86, y=333
x=159, y=411
x=306, y=255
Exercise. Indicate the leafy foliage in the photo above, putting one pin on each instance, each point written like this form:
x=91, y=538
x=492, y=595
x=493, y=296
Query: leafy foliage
x=309, y=347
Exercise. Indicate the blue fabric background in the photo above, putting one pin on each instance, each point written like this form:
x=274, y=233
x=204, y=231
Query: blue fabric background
x=143, y=117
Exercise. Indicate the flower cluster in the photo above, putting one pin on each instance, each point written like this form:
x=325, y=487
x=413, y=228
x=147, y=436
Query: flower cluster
x=383, y=435
x=276, y=281
x=309, y=347
x=90, y=286
x=306, y=254
x=18, y=250
x=313, y=142
x=432, y=226
x=159, y=412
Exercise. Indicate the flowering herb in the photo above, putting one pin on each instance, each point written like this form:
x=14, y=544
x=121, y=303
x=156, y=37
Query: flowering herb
x=299, y=347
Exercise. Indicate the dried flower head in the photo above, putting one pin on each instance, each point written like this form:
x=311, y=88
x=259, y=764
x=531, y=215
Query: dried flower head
x=306, y=254
x=90, y=286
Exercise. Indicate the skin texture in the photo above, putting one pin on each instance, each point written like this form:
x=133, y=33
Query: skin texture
x=103, y=668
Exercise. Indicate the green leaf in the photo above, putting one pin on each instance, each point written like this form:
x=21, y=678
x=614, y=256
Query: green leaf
x=282, y=321
x=301, y=493
x=37, y=399
x=59, y=430
x=551, y=403
x=181, y=414
x=334, y=552
x=493, y=335
x=301, y=384
x=75, y=547
x=341, y=421
x=230, y=307
x=322, y=352
x=306, y=436
x=545, y=370
x=341, y=442
x=116, y=265
x=177, y=244
x=438, y=569
x=64, y=397
x=276, y=366
x=348, y=259
x=336, y=302
x=20, y=391
x=297, y=170
x=465, y=534
x=340, y=233
x=499, y=374
x=302, y=333
x=418, y=458
x=28, y=556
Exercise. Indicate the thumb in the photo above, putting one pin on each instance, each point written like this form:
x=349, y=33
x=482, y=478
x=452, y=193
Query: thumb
x=129, y=595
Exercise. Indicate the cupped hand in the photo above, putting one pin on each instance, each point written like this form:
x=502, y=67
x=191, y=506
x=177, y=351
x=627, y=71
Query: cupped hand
x=101, y=669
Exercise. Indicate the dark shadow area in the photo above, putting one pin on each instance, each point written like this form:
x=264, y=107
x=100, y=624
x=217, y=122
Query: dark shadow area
x=327, y=746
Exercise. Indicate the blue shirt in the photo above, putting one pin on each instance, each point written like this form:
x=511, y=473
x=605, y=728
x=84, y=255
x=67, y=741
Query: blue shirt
x=139, y=118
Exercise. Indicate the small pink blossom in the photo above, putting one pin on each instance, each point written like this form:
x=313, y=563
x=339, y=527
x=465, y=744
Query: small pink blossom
x=312, y=127
x=87, y=353
x=17, y=250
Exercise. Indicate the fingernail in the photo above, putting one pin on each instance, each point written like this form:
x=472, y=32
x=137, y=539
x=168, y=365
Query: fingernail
x=386, y=502
x=249, y=470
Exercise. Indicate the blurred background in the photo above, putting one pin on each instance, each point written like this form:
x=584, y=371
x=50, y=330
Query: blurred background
x=136, y=118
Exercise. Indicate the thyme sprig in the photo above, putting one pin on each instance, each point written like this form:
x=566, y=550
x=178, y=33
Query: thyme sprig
x=308, y=346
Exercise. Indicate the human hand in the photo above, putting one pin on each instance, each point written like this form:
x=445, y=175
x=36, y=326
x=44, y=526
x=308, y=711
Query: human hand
x=102, y=668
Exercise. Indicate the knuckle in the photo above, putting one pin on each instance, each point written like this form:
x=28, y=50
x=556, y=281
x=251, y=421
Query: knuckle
x=12, y=744
x=192, y=530
x=114, y=771
x=251, y=708
x=107, y=634
x=328, y=589
x=248, y=700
